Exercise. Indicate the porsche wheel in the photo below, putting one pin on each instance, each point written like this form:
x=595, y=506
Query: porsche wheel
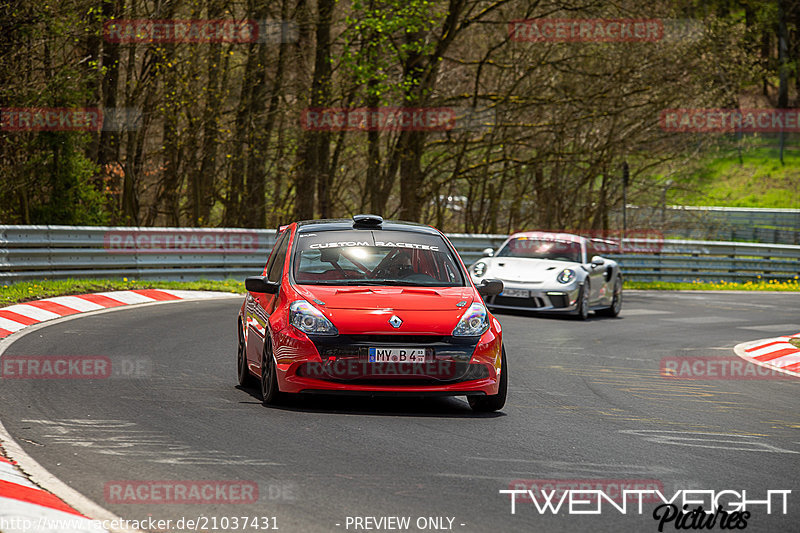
x=494, y=402
x=245, y=378
x=270, y=393
x=616, y=303
x=583, y=302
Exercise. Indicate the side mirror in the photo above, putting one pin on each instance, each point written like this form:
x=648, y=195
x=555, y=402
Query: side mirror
x=598, y=261
x=261, y=285
x=488, y=252
x=490, y=287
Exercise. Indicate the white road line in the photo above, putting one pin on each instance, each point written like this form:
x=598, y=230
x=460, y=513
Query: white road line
x=773, y=327
x=643, y=312
x=706, y=320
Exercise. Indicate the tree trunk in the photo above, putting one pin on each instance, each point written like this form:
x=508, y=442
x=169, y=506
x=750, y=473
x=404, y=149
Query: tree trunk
x=315, y=162
x=203, y=178
x=109, y=139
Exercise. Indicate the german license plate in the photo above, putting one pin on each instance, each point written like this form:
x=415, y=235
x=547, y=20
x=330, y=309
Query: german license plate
x=516, y=293
x=397, y=355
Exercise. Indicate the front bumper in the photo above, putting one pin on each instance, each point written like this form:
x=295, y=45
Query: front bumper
x=341, y=364
x=562, y=299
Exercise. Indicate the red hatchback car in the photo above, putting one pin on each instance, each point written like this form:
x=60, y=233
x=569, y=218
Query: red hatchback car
x=372, y=307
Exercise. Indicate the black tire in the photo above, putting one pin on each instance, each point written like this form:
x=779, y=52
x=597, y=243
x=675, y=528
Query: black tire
x=616, y=302
x=494, y=402
x=270, y=393
x=582, y=313
x=246, y=379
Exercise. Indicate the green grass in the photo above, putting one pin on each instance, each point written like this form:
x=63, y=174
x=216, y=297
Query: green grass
x=760, y=285
x=33, y=290
x=796, y=342
x=759, y=180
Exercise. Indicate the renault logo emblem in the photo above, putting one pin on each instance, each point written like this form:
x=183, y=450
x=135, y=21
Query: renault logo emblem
x=395, y=321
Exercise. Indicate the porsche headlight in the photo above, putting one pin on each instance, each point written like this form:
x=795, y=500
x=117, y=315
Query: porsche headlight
x=473, y=322
x=479, y=269
x=308, y=319
x=566, y=275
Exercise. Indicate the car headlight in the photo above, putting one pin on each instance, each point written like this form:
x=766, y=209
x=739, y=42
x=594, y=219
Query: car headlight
x=308, y=319
x=473, y=322
x=479, y=269
x=566, y=275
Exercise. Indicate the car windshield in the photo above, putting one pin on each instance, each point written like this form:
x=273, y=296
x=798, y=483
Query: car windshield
x=542, y=248
x=380, y=257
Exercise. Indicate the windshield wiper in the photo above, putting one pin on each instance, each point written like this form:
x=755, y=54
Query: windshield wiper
x=372, y=281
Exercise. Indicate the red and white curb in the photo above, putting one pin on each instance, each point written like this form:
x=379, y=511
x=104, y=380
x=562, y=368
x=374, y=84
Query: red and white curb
x=16, y=317
x=776, y=353
x=25, y=506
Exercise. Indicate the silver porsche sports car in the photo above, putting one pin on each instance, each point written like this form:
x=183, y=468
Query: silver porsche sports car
x=552, y=272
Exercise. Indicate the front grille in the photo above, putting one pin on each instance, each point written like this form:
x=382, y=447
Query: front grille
x=438, y=346
x=394, y=339
x=558, y=300
x=532, y=303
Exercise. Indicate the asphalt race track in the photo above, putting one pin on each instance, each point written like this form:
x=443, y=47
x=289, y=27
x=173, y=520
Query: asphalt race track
x=586, y=401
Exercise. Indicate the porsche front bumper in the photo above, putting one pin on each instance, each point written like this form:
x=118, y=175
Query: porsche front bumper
x=535, y=297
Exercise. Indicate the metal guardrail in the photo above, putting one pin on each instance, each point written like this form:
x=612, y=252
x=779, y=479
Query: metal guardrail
x=58, y=252
x=717, y=223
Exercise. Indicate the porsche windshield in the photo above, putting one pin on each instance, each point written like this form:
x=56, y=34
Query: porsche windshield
x=538, y=248
x=374, y=258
